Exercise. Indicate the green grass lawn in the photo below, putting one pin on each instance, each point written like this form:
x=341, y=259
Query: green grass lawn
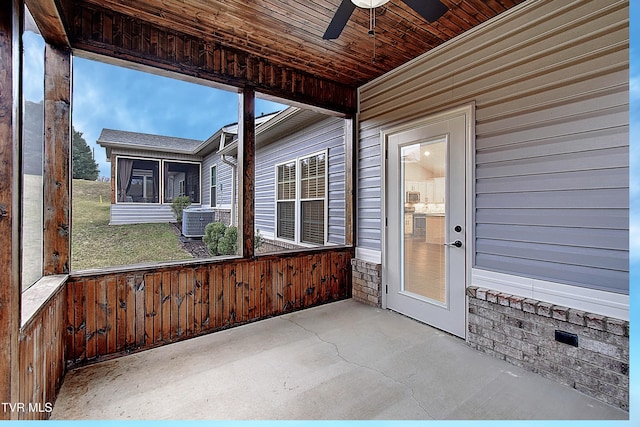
x=96, y=244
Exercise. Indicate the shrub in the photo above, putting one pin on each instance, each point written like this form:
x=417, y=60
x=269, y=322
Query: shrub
x=258, y=240
x=228, y=245
x=213, y=232
x=223, y=240
x=178, y=205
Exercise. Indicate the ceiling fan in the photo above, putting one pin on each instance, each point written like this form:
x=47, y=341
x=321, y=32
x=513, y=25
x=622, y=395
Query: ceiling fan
x=430, y=10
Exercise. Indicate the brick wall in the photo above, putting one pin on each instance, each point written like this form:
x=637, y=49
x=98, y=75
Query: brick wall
x=224, y=216
x=366, y=282
x=522, y=331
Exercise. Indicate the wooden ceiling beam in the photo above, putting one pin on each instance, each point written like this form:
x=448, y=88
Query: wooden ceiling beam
x=290, y=46
x=132, y=39
x=49, y=16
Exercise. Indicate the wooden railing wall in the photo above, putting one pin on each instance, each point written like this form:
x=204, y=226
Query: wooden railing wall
x=117, y=313
x=42, y=358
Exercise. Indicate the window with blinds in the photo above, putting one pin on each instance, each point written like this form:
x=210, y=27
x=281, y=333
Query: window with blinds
x=286, y=201
x=287, y=220
x=312, y=186
x=301, y=194
x=313, y=222
x=214, y=187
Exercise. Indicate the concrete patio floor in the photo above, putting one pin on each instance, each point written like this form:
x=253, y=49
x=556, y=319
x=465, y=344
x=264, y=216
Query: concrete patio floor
x=339, y=361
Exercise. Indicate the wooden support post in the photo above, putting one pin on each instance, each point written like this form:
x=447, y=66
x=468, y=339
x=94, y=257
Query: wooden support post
x=10, y=33
x=246, y=170
x=57, y=154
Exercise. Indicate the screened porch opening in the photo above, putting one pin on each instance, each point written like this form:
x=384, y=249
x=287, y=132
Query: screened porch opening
x=138, y=180
x=181, y=179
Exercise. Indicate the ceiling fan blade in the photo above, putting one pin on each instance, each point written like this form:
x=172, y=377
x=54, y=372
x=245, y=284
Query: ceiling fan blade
x=430, y=10
x=339, y=20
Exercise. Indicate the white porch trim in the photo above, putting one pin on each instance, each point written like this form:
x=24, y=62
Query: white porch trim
x=369, y=255
x=591, y=300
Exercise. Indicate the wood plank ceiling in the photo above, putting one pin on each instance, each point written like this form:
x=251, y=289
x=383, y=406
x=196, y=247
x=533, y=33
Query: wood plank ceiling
x=285, y=34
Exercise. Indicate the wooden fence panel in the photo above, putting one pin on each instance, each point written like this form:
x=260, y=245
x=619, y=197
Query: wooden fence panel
x=112, y=294
x=42, y=348
x=112, y=314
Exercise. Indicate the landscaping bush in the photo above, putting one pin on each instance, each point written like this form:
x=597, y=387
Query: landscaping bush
x=228, y=245
x=223, y=240
x=213, y=232
x=258, y=240
x=178, y=205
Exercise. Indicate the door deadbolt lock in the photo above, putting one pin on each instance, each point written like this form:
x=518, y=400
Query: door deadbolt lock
x=457, y=228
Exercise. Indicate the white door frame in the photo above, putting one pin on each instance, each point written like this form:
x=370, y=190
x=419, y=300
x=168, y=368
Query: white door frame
x=469, y=111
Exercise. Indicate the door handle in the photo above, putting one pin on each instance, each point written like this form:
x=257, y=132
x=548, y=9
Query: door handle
x=457, y=244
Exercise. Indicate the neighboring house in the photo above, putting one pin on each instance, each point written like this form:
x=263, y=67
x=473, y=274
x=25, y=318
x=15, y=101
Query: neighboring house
x=300, y=190
x=147, y=173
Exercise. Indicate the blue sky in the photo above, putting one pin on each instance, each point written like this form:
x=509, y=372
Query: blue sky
x=107, y=96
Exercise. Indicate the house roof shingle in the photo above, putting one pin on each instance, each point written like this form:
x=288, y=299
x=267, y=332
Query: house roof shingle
x=118, y=138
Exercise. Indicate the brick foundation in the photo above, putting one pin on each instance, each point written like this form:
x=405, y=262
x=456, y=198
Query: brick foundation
x=366, y=282
x=224, y=216
x=522, y=332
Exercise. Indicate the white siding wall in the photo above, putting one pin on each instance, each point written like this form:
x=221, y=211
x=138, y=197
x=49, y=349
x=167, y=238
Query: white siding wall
x=139, y=213
x=550, y=83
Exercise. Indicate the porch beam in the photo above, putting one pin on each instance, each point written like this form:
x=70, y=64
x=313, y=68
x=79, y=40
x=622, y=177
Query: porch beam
x=10, y=14
x=246, y=170
x=57, y=155
x=100, y=32
x=48, y=16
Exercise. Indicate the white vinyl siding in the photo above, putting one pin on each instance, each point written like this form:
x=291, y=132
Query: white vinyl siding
x=550, y=84
x=140, y=213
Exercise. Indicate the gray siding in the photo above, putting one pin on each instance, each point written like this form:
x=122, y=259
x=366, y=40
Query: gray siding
x=224, y=178
x=550, y=83
x=326, y=134
x=137, y=213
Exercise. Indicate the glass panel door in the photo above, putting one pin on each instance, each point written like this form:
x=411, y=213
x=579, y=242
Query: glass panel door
x=425, y=270
x=423, y=169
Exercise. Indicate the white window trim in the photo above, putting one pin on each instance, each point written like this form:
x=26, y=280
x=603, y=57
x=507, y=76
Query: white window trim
x=213, y=170
x=298, y=200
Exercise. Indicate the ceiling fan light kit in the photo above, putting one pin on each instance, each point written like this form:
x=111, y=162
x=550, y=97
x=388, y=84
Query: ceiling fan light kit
x=430, y=10
x=369, y=4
